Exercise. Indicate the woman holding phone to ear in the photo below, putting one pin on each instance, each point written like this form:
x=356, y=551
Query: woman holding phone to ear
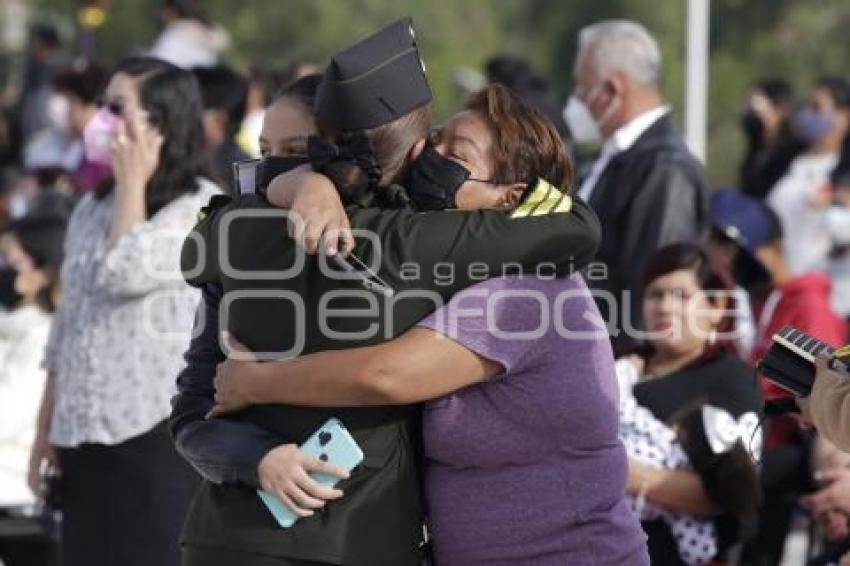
x=117, y=339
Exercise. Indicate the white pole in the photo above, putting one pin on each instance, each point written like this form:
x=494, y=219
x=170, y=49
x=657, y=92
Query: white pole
x=14, y=19
x=696, y=77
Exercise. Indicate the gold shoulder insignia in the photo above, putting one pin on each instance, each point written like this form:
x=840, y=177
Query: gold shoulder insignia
x=544, y=198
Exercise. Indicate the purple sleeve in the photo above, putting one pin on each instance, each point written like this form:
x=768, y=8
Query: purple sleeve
x=494, y=319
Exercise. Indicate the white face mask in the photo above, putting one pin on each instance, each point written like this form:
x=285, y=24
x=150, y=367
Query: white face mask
x=583, y=126
x=18, y=206
x=59, y=112
x=580, y=121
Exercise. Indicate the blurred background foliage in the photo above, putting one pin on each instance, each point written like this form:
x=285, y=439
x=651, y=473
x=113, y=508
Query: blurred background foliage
x=797, y=39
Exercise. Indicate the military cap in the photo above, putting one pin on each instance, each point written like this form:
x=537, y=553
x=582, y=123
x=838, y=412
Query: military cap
x=374, y=82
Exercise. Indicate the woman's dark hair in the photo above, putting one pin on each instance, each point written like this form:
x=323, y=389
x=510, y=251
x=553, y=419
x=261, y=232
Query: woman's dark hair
x=43, y=238
x=83, y=79
x=391, y=144
x=225, y=90
x=302, y=91
x=46, y=35
x=526, y=144
x=187, y=10
x=840, y=175
x=517, y=74
x=731, y=479
x=777, y=90
x=171, y=97
x=691, y=257
x=295, y=71
x=838, y=88
x=387, y=143
x=764, y=165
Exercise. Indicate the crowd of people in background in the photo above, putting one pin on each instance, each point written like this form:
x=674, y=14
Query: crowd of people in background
x=86, y=392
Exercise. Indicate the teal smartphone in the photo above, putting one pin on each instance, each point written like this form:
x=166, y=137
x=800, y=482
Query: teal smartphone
x=331, y=443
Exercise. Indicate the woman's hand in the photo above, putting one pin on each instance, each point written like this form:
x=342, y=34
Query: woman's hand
x=835, y=496
x=236, y=379
x=679, y=491
x=640, y=477
x=831, y=504
x=638, y=363
x=135, y=154
x=284, y=471
x=835, y=524
x=41, y=451
x=317, y=215
x=135, y=157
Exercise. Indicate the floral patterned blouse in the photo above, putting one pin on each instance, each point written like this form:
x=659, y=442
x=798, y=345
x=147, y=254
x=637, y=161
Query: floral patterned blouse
x=125, y=319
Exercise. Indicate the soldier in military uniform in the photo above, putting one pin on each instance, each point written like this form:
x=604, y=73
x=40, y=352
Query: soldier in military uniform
x=279, y=302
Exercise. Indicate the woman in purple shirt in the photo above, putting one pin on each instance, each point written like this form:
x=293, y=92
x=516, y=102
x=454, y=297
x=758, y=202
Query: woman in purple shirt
x=522, y=460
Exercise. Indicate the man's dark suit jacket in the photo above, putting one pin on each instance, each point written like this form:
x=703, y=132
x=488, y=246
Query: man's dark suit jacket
x=650, y=195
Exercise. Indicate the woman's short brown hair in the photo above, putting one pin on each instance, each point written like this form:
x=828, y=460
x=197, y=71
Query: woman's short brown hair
x=526, y=144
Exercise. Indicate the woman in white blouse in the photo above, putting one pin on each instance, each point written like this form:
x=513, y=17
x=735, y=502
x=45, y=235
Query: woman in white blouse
x=801, y=198
x=33, y=249
x=116, y=343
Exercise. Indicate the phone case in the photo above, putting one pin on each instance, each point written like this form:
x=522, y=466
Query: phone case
x=331, y=443
x=245, y=176
x=790, y=360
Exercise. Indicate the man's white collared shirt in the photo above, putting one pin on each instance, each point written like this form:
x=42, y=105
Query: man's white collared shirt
x=623, y=139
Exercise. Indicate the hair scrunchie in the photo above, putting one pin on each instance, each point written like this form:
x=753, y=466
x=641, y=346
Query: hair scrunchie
x=356, y=150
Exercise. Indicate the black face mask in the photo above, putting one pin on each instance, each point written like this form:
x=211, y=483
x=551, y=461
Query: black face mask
x=9, y=297
x=752, y=125
x=433, y=180
x=272, y=166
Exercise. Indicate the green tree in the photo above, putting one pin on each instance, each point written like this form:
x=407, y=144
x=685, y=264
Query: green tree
x=797, y=39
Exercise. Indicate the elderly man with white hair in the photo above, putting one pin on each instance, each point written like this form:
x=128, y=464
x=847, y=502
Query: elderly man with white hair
x=646, y=187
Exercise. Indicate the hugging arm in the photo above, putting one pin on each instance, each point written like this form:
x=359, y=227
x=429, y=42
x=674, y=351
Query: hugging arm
x=417, y=366
x=221, y=450
x=492, y=240
x=566, y=235
x=427, y=362
x=230, y=451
